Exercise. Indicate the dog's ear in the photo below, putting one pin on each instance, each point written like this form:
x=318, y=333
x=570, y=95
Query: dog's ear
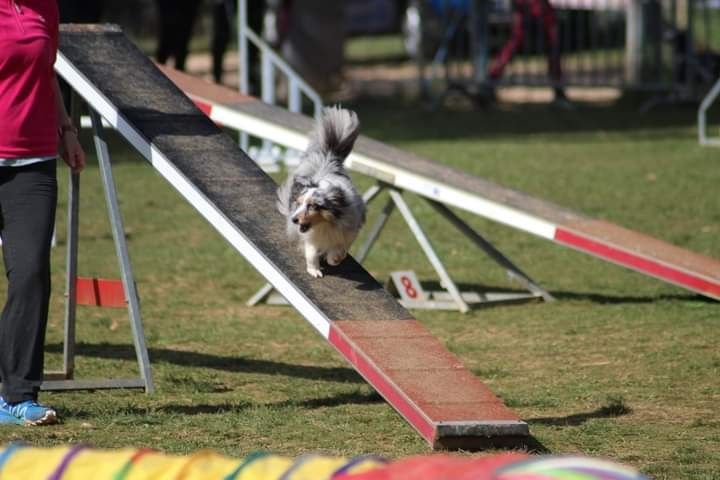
x=334, y=201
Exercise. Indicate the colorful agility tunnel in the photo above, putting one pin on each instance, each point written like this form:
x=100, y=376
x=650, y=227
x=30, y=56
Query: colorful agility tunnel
x=19, y=462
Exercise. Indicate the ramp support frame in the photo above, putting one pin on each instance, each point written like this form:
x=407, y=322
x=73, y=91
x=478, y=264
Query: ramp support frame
x=458, y=300
x=65, y=378
x=452, y=298
x=709, y=99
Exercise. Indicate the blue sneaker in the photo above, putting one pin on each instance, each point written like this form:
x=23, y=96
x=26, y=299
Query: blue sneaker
x=7, y=419
x=28, y=412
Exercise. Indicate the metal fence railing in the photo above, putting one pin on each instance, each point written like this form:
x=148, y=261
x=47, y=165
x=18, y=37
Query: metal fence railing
x=274, y=73
x=632, y=44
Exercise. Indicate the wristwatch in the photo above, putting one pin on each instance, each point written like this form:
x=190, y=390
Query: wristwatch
x=63, y=129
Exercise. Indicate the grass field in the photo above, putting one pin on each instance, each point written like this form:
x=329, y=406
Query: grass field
x=621, y=366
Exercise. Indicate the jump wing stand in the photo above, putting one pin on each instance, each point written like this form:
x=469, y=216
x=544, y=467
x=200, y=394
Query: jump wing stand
x=452, y=298
x=99, y=292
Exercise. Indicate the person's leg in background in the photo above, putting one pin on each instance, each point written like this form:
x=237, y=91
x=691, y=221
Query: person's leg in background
x=223, y=15
x=186, y=11
x=222, y=12
x=166, y=23
x=256, y=15
x=552, y=46
x=28, y=199
x=517, y=37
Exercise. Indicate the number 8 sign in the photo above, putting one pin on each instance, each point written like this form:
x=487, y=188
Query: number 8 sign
x=408, y=286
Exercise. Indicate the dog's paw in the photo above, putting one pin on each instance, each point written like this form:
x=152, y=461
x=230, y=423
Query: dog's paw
x=335, y=258
x=315, y=272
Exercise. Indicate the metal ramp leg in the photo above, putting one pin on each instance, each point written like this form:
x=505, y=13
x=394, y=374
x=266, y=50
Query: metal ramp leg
x=118, y=231
x=512, y=271
x=71, y=275
x=425, y=244
x=702, y=120
x=375, y=231
x=453, y=298
x=64, y=380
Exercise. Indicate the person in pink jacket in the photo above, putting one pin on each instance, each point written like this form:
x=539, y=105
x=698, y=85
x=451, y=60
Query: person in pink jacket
x=34, y=126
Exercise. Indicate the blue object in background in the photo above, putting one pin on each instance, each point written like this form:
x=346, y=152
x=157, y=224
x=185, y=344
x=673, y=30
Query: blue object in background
x=371, y=16
x=442, y=7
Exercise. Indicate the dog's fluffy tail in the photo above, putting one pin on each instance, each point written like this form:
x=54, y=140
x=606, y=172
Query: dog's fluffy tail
x=335, y=133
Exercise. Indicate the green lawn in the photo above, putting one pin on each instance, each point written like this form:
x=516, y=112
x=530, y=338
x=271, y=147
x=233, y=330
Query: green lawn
x=621, y=366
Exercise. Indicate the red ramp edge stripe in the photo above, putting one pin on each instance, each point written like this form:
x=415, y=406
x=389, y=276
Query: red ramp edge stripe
x=639, y=263
x=204, y=107
x=478, y=432
x=395, y=398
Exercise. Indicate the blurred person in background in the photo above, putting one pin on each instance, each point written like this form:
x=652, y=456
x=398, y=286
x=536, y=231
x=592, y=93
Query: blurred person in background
x=542, y=12
x=312, y=36
x=176, y=19
x=223, y=14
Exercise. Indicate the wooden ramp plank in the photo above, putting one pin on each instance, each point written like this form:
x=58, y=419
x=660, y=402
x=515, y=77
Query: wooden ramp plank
x=643, y=253
x=427, y=384
x=634, y=250
x=226, y=187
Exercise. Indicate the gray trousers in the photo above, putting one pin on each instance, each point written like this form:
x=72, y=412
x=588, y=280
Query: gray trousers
x=28, y=199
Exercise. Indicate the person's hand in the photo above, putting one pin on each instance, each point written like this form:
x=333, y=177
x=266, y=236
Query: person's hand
x=71, y=151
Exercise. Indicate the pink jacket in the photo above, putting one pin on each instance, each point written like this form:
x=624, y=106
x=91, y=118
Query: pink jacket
x=28, y=112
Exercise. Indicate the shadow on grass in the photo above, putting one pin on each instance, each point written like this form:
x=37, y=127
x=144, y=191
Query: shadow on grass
x=202, y=409
x=353, y=398
x=533, y=445
x=356, y=398
x=614, y=299
x=612, y=410
x=565, y=295
x=528, y=444
x=217, y=362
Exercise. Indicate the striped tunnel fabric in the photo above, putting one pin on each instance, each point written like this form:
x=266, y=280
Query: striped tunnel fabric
x=79, y=462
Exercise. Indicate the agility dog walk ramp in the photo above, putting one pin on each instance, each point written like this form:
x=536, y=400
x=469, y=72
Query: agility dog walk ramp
x=447, y=186
x=427, y=385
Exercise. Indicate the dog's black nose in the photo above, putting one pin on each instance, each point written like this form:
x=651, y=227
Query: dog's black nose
x=295, y=220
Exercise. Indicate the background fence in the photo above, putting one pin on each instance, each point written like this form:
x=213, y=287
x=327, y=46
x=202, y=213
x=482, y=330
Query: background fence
x=632, y=44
